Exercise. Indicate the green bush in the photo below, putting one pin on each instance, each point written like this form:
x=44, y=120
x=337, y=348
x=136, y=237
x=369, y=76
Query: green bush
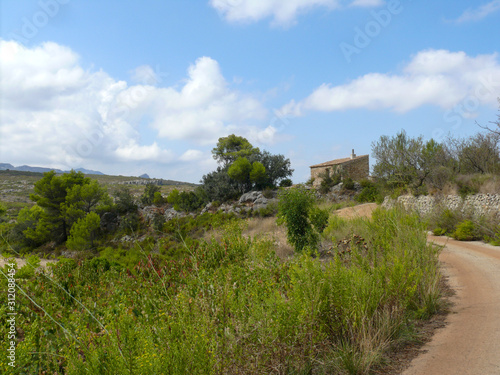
x=158, y=199
x=286, y=182
x=319, y=218
x=348, y=183
x=148, y=197
x=443, y=221
x=84, y=232
x=466, y=231
x=328, y=181
x=188, y=201
x=465, y=189
x=293, y=210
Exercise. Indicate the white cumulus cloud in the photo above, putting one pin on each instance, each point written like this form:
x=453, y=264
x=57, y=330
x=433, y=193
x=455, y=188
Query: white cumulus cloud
x=432, y=77
x=56, y=113
x=282, y=12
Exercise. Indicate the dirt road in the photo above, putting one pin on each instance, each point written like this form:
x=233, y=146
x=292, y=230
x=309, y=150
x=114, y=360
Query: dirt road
x=470, y=342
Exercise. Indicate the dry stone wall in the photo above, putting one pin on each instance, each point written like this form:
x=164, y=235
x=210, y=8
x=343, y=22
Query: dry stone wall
x=477, y=205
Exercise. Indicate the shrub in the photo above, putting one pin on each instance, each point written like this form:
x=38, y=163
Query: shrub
x=293, y=211
x=328, y=181
x=286, y=182
x=369, y=193
x=348, y=183
x=83, y=232
x=465, y=231
x=319, y=218
x=443, y=221
x=268, y=193
x=188, y=201
x=147, y=198
x=158, y=199
x=125, y=201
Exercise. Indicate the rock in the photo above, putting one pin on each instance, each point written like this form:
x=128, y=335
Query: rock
x=337, y=188
x=172, y=214
x=149, y=212
x=127, y=238
x=207, y=208
x=250, y=197
x=261, y=200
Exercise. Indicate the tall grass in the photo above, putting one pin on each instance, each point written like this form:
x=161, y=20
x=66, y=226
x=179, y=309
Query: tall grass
x=232, y=307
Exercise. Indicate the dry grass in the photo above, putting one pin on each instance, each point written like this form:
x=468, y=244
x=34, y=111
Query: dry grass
x=491, y=186
x=267, y=227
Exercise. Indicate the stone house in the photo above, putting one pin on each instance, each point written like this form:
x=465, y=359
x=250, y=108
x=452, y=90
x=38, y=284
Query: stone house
x=356, y=167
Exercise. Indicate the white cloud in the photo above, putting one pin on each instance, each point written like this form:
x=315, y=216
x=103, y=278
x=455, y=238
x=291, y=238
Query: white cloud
x=144, y=74
x=479, y=13
x=367, y=3
x=134, y=152
x=435, y=77
x=191, y=155
x=282, y=12
x=58, y=114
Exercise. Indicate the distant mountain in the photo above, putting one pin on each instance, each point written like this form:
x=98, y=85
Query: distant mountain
x=88, y=171
x=145, y=175
x=28, y=168
x=5, y=166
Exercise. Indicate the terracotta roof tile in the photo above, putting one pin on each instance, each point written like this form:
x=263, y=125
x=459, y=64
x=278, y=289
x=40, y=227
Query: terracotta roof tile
x=337, y=161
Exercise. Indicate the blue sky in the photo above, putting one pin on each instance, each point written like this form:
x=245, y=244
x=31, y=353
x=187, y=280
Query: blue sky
x=132, y=87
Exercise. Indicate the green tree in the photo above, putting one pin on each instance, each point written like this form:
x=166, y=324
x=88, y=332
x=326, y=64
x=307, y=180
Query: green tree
x=83, y=232
x=277, y=167
x=83, y=199
x=232, y=147
x=148, y=197
x=242, y=167
x=477, y=154
x=31, y=229
x=240, y=171
x=50, y=194
x=258, y=175
x=294, y=208
x=125, y=201
x=219, y=186
x=403, y=161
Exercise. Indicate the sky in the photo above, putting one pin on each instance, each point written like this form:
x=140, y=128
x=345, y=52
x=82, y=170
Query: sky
x=131, y=87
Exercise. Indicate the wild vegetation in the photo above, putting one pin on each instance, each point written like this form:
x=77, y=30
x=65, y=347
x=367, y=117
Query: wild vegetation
x=231, y=305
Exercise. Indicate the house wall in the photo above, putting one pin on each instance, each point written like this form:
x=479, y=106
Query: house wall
x=357, y=169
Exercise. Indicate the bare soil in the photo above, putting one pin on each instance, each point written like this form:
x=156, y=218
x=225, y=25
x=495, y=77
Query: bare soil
x=362, y=210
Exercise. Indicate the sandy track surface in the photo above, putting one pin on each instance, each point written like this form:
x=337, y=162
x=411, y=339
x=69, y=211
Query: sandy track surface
x=470, y=342
x=362, y=210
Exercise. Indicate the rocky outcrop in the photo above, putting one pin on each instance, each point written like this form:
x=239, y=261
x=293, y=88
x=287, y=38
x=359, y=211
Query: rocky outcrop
x=477, y=205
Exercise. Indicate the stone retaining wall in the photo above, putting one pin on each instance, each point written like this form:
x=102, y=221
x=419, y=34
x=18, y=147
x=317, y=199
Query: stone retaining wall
x=477, y=205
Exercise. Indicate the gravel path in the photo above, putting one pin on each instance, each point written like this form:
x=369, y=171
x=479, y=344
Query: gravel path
x=470, y=342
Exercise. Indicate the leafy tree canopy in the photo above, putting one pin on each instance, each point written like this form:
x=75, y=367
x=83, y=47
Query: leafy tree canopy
x=65, y=199
x=232, y=147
